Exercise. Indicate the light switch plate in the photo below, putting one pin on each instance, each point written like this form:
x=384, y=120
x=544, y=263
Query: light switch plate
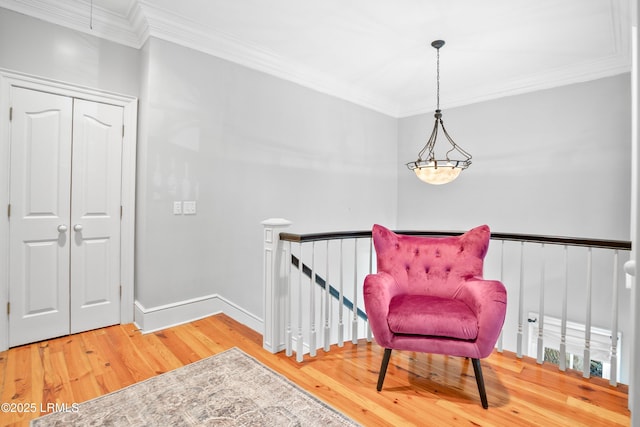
x=189, y=207
x=177, y=208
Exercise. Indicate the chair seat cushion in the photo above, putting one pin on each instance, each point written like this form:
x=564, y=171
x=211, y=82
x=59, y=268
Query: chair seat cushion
x=430, y=315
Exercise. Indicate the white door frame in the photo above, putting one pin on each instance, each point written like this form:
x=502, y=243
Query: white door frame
x=130, y=105
x=632, y=266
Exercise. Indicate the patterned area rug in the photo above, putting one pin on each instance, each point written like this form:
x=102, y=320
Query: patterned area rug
x=228, y=389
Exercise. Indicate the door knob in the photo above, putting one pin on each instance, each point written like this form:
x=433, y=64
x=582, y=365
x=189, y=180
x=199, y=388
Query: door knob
x=77, y=227
x=62, y=228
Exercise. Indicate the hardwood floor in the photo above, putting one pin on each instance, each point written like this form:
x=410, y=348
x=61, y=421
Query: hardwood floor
x=420, y=389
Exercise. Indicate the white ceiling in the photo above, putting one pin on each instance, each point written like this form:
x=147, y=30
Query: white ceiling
x=377, y=53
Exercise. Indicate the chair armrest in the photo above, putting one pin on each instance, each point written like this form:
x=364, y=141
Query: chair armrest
x=488, y=300
x=378, y=290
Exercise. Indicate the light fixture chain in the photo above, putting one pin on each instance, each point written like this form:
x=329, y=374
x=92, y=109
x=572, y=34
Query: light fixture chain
x=438, y=79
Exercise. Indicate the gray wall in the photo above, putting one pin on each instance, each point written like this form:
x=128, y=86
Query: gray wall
x=246, y=146
x=36, y=47
x=550, y=162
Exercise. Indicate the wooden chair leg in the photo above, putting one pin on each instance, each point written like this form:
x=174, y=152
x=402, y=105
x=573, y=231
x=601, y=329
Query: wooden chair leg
x=477, y=369
x=383, y=367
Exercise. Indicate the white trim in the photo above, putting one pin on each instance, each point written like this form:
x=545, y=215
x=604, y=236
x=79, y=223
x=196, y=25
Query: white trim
x=165, y=316
x=578, y=73
x=128, y=200
x=5, y=135
x=634, y=339
x=74, y=14
x=130, y=105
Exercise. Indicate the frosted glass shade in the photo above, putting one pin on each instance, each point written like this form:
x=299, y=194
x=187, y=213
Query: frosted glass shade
x=442, y=174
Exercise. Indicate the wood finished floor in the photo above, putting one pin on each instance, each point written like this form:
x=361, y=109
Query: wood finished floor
x=420, y=389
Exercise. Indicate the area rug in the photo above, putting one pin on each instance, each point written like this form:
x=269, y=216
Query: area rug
x=228, y=389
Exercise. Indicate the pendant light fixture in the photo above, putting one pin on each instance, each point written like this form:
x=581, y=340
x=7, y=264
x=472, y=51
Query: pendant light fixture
x=428, y=167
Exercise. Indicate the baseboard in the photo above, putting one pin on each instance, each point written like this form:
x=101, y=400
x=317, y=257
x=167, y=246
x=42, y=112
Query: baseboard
x=151, y=319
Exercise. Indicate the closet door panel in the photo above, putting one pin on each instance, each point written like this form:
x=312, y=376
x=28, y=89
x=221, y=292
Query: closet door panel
x=95, y=215
x=40, y=179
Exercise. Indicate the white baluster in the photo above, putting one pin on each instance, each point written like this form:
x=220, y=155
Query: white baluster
x=540, y=355
x=500, y=344
x=586, y=371
x=369, y=333
x=341, y=300
x=563, y=322
x=521, y=302
x=327, y=306
x=613, y=378
x=354, y=321
x=312, y=304
x=300, y=339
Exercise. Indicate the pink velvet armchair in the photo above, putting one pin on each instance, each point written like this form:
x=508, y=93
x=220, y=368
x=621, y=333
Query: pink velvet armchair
x=429, y=296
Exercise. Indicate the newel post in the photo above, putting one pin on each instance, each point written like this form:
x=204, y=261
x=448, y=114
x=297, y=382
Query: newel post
x=274, y=261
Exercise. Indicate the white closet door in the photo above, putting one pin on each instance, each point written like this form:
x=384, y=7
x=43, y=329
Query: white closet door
x=95, y=215
x=39, y=228
x=65, y=194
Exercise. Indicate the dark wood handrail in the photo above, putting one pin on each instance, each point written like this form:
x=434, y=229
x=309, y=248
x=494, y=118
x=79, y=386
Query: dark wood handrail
x=514, y=237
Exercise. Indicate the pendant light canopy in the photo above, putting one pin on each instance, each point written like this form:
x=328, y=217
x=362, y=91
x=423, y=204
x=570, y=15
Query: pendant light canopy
x=428, y=167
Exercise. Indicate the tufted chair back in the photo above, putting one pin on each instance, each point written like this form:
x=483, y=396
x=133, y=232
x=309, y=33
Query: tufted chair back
x=431, y=265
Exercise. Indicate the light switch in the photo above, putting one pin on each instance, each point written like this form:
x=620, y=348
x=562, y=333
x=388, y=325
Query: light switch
x=189, y=207
x=177, y=208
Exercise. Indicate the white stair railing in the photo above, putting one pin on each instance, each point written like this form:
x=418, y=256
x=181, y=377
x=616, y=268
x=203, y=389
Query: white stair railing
x=319, y=288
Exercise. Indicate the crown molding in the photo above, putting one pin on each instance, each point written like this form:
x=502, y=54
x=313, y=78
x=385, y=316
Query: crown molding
x=138, y=23
x=583, y=72
x=76, y=15
x=167, y=26
x=618, y=62
x=145, y=20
